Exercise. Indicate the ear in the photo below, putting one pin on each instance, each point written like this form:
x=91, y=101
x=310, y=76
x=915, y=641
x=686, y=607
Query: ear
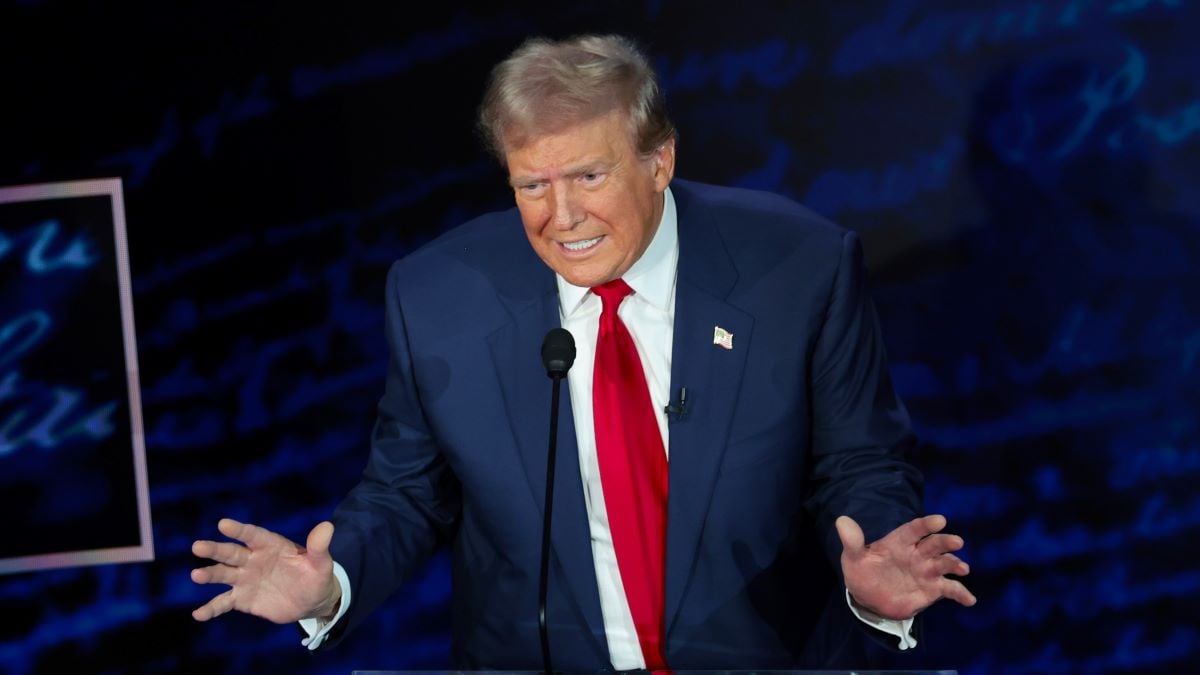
x=664, y=165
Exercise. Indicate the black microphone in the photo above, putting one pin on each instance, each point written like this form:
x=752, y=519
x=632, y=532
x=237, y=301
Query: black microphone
x=558, y=353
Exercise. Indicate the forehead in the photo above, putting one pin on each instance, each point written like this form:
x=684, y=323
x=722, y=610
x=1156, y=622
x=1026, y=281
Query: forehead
x=604, y=139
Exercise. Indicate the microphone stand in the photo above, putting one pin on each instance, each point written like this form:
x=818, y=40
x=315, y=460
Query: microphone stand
x=544, y=578
x=558, y=353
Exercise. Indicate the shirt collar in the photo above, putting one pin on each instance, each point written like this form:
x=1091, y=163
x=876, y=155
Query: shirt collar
x=652, y=276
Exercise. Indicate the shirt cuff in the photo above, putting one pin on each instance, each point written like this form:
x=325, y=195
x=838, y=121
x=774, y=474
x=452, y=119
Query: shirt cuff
x=317, y=629
x=902, y=628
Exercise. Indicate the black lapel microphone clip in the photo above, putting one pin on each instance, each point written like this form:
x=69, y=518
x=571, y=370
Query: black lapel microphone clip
x=678, y=408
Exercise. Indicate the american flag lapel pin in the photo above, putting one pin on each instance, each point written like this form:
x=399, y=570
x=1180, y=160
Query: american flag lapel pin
x=722, y=337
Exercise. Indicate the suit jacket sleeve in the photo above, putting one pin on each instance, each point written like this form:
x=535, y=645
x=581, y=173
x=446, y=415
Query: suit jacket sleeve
x=408, y=500
x=860, y=430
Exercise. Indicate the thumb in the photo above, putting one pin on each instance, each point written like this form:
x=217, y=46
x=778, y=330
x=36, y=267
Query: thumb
x=850, y=534
x=319, y=538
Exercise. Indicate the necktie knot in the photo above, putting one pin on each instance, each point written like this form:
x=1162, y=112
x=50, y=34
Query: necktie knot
x=612, y=293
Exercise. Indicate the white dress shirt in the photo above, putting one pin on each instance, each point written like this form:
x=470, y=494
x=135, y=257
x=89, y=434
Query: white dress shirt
x=649, y=314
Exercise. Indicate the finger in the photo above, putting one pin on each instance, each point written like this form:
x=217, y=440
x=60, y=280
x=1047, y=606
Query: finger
x=931, y=524
x=937, y=544
x=243, y=532
x=215, y=574
x=957, y=592
x=851, y=535
x=230, y=528
x=252, y=536
x=951, y=564
x=222, y=552
x=319, y=538
x=215, y=607
x=918, y=528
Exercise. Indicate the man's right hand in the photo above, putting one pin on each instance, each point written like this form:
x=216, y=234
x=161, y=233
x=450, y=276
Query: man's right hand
x=269, y=576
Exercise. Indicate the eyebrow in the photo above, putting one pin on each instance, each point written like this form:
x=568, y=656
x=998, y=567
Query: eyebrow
x=597, y=166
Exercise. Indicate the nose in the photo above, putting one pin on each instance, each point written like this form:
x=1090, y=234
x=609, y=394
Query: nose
x=567, y=210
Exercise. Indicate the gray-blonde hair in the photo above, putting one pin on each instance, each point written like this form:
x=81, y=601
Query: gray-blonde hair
x=545, y=86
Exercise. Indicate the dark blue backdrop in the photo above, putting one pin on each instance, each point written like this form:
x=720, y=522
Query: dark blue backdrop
x=1024, y=176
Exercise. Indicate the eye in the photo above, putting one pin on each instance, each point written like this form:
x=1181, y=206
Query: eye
x=531, y=189
x=593, y=178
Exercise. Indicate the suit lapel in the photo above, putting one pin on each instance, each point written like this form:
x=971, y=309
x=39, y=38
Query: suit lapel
x=515, y=353
x=712, y=376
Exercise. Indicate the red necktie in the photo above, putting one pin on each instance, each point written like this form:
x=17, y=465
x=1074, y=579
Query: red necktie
x=633, y=471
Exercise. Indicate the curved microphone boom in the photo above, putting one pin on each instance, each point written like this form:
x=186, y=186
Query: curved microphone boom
x=558, y=353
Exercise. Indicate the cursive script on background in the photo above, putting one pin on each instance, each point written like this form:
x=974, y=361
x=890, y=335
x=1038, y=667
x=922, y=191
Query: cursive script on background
x=35, y=411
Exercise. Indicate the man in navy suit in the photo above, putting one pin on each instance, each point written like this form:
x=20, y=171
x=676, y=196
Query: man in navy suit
x=787, y=457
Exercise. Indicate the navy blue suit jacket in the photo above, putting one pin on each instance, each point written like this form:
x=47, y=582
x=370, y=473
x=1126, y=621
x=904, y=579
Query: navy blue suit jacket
x=794, y=426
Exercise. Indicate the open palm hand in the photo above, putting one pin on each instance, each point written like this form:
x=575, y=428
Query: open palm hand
x=904, y=572
x=269, y=575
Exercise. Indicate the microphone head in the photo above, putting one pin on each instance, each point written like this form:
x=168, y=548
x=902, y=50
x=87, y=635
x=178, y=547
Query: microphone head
x=558, y=352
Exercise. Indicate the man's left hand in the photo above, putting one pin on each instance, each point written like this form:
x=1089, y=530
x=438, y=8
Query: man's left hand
x=904, y=572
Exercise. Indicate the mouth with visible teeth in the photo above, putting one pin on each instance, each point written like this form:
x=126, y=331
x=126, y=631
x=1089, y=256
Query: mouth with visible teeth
x=581, y=246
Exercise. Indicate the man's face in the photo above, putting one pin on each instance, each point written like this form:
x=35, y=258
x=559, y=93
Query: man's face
x=589, y=202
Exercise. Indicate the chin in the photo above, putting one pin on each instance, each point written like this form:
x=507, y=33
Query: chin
x=583, y=279
x=577, y=280
x=584, y=273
